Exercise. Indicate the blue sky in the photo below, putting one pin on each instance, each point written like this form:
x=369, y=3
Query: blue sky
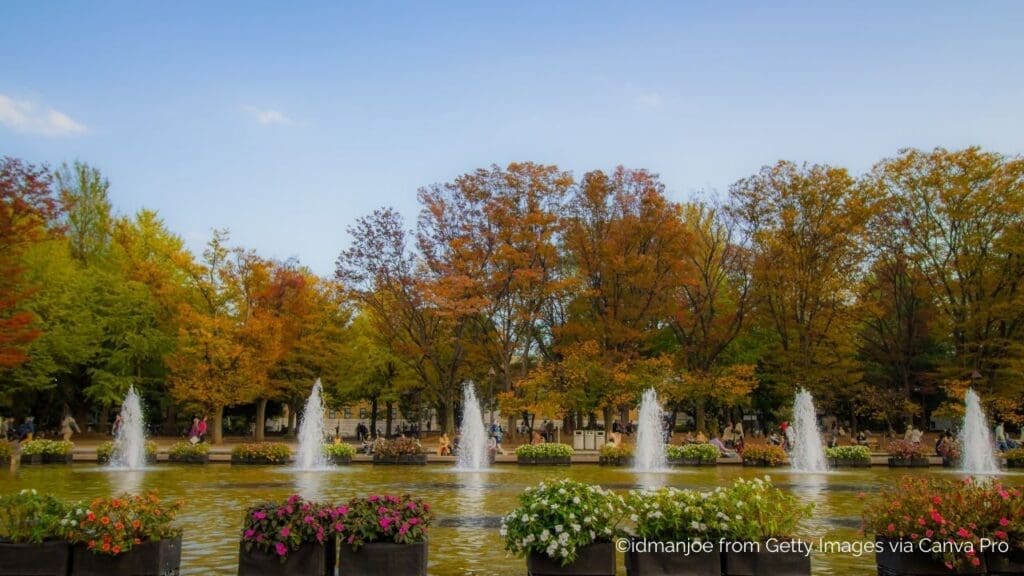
x=284, y=121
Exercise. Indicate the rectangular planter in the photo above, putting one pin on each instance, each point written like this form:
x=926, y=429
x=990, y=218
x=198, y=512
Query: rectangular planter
x=545, y=461
x=190, y=459
x=1015, y=463
x=670, y=564
x=593, y=560
x=691, y=462
x=45, y=559
x=765, y=564
x=1005, y=564
x=615, y=461
x=908, y=462
x=46, y=458
x=311, y=559
x=384, y=559
x=259, y=460
x=150, y=459
x=895, y=563
x=160, y=558
x=761, y=463
x=404, y=459
x=339, y=460
x=844, y=463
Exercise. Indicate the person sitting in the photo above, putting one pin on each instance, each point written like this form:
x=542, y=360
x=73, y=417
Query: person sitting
x=721, y=447
x=444, y=446
x=915, y=436
x=774, y=440
x=862, y=438
x=842, y=432
x=727, y=437
x=701, y=438
x=537, y=438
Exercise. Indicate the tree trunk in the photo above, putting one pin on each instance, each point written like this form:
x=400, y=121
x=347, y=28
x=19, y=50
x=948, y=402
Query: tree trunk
x=373, y=417
x=218, y=425
x=103, y=424
x=293, y=421
x=170, y=427
x=607, y=420
x=623, y=416
x=261, y=418
x=700, y=416
x=449, y=418
x=389, y=410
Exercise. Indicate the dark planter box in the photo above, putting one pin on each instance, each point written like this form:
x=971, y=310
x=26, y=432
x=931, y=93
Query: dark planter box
x=892, y=562
x=592, y=560
x=45, y=559
x=384, y=559
x=46, y=458
x=339, y=460
x=765, y=564
x=846, y=463
x=908, y=462
x=1005, y=564
x=259, y=460
x=404, y=459
x=189, y=459
x=690, y=462
x=160, y=558
x=311, y=559
x=670, y=564
x=615, y=461
x=1015, y=463
x=545, y=461
x=761, y=463
x=150, y=459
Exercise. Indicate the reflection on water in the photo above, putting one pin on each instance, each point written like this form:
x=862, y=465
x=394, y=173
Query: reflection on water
x=468, y=506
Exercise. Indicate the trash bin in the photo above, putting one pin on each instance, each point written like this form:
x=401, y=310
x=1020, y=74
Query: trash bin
x=577, y=440
x=599, y=439
x=588, y=440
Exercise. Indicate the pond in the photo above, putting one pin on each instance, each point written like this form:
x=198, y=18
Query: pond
x=467, y=505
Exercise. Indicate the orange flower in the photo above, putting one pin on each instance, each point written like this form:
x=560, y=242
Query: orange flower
x=106, y=546
x=119, y=526
x=136, y=524
x=92, y=544
x=90, y=516
x=105, y=520
x=117, y=550
x=138, y=541
x=115, y=503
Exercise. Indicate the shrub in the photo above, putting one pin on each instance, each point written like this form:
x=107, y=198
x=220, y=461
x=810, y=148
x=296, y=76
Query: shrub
x=115, y=525
x=611, y=450
x=903, y=450
x=30, y=518
x=560, y=518
x=188, y=449
x=957, y=512
x=282, y=527
x=672, y=515
x=271, y=451
x=857, y=453
x=546, y=450
x=382, y=518
x=340, y=450
x=46, y=447
x=768, y=454
x=1015, y=456
x=705, y=453
x=755, y=510
x=397, y=447
x=106, y=449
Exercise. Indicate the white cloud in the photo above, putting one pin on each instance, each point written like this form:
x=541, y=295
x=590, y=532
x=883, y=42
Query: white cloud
x=648, y=100
x=268, y=117
x=27, y=117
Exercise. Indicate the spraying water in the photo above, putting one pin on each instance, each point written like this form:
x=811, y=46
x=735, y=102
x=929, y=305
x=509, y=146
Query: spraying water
x=311, y=432
x=650, y=438
x=978, y=455
x=130, y=440
x=472, y=434
x=807, y=454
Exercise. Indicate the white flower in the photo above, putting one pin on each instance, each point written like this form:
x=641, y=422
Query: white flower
x=575, y=499
x=558, y=528
x=545, y=535
x=634, y=517
x=503, y=531
x=525, y=517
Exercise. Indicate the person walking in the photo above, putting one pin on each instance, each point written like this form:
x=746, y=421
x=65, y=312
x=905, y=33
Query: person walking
x=202, y=429
x=117, y=425
x=67, y=425
x=193, y=432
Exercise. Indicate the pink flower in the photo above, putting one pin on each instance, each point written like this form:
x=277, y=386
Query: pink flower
x=414, y=521
x=921, y=521
x=250, y=533
x=975, y=562
x=385, y=522
x=259, y=515
x=963, y=533
x=259, y=537
x=285, y=532
x=936, y=500
x=929, y=533
x=308, y=519
x=373, y=498
x=320, y=535
x=343, y=510
x=891, y=527
x=339, y=527
x=1004, y=522
x=1000, y=534
x=281, y=549
x=404, y=529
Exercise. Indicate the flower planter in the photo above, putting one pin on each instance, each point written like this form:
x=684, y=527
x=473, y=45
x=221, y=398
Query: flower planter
x=670, y=564
x=384, y=559
x=46, y=458
x=339, y=460
x=1005, y=564
x=765, y=564
x=160, y=558
x=260, y=460
x=894, y=562
x=403, y=459
x=544, y=460
x=616, y=461
x=150, y=459
x=691, y=462
x=848, y=463
x=908, y=462
x=762, y=463
x=189, y=458
x=592, y=560
x=311, y=559
x=1015, y=463
x=45, y=559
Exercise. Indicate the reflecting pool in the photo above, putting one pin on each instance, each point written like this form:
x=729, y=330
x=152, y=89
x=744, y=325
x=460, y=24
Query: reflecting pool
x=467, y=505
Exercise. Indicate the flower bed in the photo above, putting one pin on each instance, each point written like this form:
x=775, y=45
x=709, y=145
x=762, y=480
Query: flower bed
x=563, y=524
x=261, y=453
x=906, y=454
x=189, y=453
x=960, y=513
x=757, y=511
x=692, y=455
x=615, y=455
x=399, y=451
x=383, y=534
x=669, y=515
x=31, y=537
x=295, y=536
x=105, y=451
x=545, y=454
x=766, y=455
x=46, y=452
x=848, y=456
x=340, y=453
x=1014, y=458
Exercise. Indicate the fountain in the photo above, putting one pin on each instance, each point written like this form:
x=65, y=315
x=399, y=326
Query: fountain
x=130, y=440
x=473, y=453
x=311, y=432
x=807, y=454
x=650, y=437
x=977, y=450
